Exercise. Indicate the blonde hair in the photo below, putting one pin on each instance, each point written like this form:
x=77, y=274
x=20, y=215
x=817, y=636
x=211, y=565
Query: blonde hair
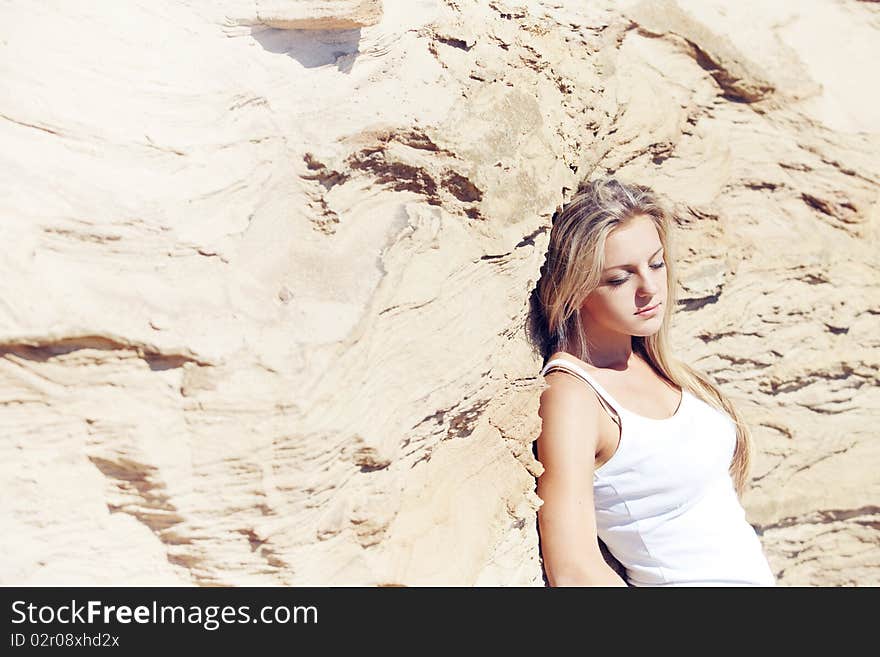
x=573, y=266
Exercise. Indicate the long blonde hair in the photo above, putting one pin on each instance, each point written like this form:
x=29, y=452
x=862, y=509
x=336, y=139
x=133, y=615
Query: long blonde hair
x=573, y=266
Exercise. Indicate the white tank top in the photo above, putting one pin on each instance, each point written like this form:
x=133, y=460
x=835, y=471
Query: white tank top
x=666, y=506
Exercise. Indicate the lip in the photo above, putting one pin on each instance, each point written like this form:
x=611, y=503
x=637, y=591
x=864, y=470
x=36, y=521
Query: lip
x=650, y=309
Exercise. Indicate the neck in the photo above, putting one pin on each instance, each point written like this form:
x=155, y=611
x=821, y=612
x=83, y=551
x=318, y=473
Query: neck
x=609, y=349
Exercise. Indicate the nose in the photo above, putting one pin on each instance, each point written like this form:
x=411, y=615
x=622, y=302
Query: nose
x=648, y=287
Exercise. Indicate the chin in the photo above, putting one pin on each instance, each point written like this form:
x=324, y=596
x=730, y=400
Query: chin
x=644, y=332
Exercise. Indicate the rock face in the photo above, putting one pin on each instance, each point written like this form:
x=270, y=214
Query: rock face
x=314, y=14
x=263, y=290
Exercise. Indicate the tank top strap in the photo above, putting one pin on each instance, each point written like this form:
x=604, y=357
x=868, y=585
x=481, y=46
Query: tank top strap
x=577, y=370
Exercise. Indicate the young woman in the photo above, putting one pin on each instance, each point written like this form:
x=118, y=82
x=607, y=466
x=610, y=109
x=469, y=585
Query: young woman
x=644, y=457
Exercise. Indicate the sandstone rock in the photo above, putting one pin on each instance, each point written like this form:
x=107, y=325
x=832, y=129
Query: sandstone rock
x=264, y=290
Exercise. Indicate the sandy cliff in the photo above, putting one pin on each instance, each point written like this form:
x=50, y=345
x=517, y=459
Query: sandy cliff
x=266, y=266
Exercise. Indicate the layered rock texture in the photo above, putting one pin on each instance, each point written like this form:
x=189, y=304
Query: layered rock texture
x=266, y=268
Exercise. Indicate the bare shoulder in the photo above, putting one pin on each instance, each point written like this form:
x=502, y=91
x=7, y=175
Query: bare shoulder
x=570, y=412
x=565, y=390
x=564, y=355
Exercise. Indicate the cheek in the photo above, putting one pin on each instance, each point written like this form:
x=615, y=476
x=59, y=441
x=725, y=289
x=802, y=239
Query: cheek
x=605, y=304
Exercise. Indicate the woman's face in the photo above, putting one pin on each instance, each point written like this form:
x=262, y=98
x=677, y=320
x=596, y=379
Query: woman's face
x=634, y=278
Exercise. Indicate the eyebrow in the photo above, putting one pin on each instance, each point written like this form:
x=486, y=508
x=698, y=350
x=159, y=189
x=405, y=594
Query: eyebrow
x=625, y=266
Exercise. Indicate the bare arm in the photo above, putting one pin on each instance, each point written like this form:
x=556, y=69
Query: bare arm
x=567, y=519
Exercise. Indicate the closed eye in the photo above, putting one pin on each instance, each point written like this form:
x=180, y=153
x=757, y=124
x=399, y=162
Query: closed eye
x=620, y=281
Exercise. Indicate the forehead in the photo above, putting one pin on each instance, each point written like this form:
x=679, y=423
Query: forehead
x=637, y=238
